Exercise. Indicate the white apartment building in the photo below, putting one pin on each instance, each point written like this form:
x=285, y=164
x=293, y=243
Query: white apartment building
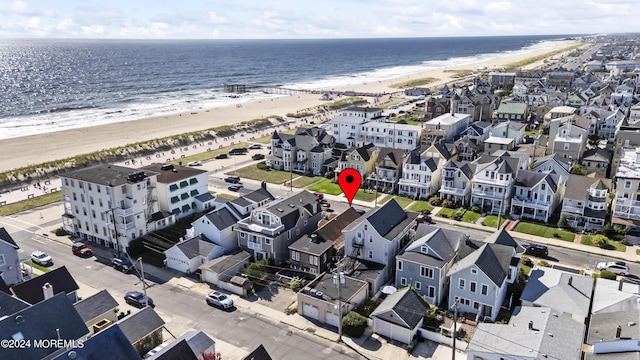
x=178, y=187
x=111, y=204
x=445, y=127
x=626, y=204
x=357, y=126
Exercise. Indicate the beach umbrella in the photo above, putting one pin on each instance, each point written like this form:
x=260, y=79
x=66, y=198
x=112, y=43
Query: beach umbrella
x=388, y=289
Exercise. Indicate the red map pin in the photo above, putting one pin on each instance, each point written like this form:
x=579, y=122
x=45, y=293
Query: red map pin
x=349, y=181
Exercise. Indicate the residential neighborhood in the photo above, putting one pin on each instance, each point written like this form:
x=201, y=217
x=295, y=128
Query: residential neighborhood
x=497, y=217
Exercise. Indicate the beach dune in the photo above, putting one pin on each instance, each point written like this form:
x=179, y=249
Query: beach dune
x=36, y=149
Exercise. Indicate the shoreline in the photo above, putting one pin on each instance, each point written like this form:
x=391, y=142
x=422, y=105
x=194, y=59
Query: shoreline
x=36, y=149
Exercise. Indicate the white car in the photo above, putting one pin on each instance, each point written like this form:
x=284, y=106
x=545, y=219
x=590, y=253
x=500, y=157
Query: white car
x=195, y=163
x=617, y=267
x=216, y=298
x=41, y=258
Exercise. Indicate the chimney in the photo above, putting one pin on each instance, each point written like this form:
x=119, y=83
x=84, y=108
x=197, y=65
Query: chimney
x=47, y=290
x=263, y=185
x=618, y=332
x=620, y=283
x=570, y=280
x=530, y=325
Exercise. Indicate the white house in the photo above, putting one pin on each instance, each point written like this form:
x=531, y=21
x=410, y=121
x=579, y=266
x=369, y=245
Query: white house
x=537, y=195
x=400, y=315
x=186, y=256
x=421, y=176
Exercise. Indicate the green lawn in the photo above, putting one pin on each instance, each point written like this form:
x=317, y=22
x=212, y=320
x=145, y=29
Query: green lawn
x=403, y=201
x=470, y=217
x=326, y=186
x=544, y=231
x=613, y=245
x=28, y=263
x=492, y=221
x=385, y=199
x=447, y=212
x=27, y=204
x=420, y=206
x=304, y=181
x=271, y=176
x=363, y=195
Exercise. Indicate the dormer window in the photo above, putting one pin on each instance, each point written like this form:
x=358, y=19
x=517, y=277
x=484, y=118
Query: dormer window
x=474, y=271
x=424, y=249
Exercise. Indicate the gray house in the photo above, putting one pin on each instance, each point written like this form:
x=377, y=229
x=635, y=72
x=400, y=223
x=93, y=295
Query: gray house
x=9, y=261
x=424, y=263
x=479, y=281
x=400, y=315
x=271, y=228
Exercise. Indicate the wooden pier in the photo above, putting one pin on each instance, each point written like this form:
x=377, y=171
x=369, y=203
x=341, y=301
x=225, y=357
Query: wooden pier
x=279, y=90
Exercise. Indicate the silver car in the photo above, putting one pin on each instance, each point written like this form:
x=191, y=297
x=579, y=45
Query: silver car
x=216, y=298
x=616, y=267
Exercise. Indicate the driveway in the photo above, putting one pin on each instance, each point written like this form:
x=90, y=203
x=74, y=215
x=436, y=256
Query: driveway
x=273, y=296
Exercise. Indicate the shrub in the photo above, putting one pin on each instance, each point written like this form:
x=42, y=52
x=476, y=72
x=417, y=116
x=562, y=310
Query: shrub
x=435, y=200
x=527, y=261
x=458, y=214
x=354, y=324
x=544, y=263
x=60, y=231
x=446, y=203
x=476, y=209
x=562, y=223
x=263, y=166
x=295, y=284
x=600, y=241
x=606, y=274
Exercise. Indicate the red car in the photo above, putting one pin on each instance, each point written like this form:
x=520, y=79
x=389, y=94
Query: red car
x=81, y=250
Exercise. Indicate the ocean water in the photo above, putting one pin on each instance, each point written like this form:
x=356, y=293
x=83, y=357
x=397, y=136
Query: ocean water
x=51, y=85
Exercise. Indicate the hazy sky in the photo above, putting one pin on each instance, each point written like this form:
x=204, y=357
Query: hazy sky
x=236, y=19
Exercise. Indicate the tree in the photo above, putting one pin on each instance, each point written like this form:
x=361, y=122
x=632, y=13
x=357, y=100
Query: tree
x=210, y=356
x=354, y=324
x=562, y=223
x=577, y=169
x=600, y=241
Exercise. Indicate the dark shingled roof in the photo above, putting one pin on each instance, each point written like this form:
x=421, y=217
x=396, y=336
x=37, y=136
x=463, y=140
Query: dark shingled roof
x=441, y=243
x=530, y=178
x=332, y=230
x=41, y=321
x=578, y=186
x=95, y=305
x=4, y=236
x=105, y=174
x=260, y=353
x=387, y=217
x=492, y=259
x=227, y=261
x=196, y=246
x=196, y=341
x=222, y=218
x=259, y=195
x=140, y=324
x=10, y=304
x=178, y=350
x=404, y=308
x=111, y=338
x=204, y=197
x=171, y=176
x=31, y=290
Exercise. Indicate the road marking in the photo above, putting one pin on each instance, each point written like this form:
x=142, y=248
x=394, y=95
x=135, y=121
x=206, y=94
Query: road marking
x=18, y=227
x=26, y=222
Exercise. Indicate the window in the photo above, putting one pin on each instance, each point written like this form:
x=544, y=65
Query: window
x=418, y=285
x=484, y=289
x=242, y=235
x=295, y=256
x=370, y=254
x=2, y=261
x=403, y=281
x=476, y=305
x=474, y=271
x=313, y=260
x=461, y=284
x=472, y=286
x=627, y=184
x=399, y=265
x=426, y=272
x=431, y=292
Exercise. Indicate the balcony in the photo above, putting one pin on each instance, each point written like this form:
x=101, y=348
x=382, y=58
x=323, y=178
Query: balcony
x=124, y=212
x=597, y=199
x=527, y=203
x=626, y=215
x=620, y=201
x=254, y=246
x=488, y=194
x=453, y=191
x=125, y=226
x=492, y=182
x=259, y=228
x=573, y=209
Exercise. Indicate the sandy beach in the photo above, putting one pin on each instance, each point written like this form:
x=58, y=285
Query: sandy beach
x=23, y=151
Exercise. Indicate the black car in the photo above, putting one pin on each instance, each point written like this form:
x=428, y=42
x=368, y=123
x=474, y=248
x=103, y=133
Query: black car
x=235, y=187
x=536, y=250
x=137, y=299
x=222, y=156
x=257, y=156
x=232, y=179
x=238, y=151
x=123, y=265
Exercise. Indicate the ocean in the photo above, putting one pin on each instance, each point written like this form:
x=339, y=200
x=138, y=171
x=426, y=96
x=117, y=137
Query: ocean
x=52, y=85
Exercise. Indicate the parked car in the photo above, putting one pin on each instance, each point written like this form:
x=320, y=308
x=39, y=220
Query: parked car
x=326, y=205
x=137, y=299
x=41, y=258
x=222, y=156
x=536, y=250
x=424, y=218
x=255, y=147
x=319, y=195
x=238, y=151
x=123, y=265
x=232, y=179
x=235, y=187
x=216, y=298
x=82, y=250
x=195, y=163
x=258, y=156
x=617, y=267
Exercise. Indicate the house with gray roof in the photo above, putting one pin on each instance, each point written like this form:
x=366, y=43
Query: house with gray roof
x=223, y=268
x=110, y=343
x=98, y=311
x=143, y=329
x=269, y=230
x=10, y=270
x=304, y=152
x=400, y=315
x=585, y=202
x=568, y=137
x=10, y=304
x=553, y=163
x=46, y=285
x=421, y=176
x=509, y=130
x=186, y=256
x=192, y=342
x=493, y=183
x=424, y=263
x=314, y=253
x=477, y=131
x=615, y=295
x=537, y=195
x=388, y=170
x=615, y=334
x=479, y=280
x=361, y=158
x=597, y=161
x=456, y=182
x=53, y=318
x=537, y=333
x=563, y=292
x=378, y=236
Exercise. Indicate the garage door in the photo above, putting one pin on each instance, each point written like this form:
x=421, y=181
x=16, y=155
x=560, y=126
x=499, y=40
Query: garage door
x=332, y=319
x=382, y=328
x=310, y=311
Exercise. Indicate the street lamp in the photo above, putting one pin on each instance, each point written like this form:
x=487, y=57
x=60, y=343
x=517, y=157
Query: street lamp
x=339, y=280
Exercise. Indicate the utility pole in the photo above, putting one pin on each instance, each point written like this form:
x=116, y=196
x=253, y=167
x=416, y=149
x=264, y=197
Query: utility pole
x=144, y=284
x=339, y=280
x=500, y=211
x=455, y=330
